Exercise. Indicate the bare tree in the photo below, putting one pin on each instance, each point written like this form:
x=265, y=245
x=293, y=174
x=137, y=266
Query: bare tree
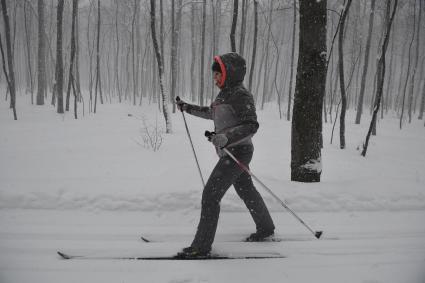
x=41, y=60
x=288, y=114
x=243, y=27
x=59, y=59
x=366, y=63
x=71, y=80
x=416, y=60
x=28, y=26
x=193, y=52
x=204, y=19
x=160, y=70
x=117, y=68
x=381, y=70
x=254, y=45
x=408, y=70
x=10, y=74
x=341, y=75
x=98, y=84
x=234, y=23
x=306, y=138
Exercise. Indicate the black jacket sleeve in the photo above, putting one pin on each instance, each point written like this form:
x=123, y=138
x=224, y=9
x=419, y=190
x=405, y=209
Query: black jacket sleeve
x=199, y=111
x=243, y=104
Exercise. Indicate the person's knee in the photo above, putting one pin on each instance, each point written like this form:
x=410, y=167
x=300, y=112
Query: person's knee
x=210, y=198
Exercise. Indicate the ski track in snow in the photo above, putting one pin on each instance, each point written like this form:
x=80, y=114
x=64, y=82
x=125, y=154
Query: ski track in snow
x=356, y=247
x=86, y=185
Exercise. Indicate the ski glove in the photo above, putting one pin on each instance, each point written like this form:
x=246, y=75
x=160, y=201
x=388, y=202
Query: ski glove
x=181, y=105
x=219, y=140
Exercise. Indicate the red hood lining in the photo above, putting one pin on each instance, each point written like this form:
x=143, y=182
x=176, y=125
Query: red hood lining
x=223, y=70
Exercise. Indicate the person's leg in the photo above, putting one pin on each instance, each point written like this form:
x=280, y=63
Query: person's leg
x=255, y=204
x=224, y=174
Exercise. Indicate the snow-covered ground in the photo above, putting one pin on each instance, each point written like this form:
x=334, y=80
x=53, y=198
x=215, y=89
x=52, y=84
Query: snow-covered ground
x=88, y=185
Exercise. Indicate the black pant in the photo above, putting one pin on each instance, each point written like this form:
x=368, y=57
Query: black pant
x=226, y=173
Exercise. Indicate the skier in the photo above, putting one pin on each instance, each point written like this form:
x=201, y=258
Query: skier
x=235, y=122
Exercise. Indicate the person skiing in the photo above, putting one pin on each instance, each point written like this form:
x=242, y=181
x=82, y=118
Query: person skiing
x=235, y=122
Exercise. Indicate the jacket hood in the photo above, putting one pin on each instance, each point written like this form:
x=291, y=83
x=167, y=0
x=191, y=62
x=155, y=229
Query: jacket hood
x=233, y=68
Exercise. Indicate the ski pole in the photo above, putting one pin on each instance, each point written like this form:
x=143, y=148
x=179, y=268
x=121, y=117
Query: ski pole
x=317, y=234
x=191, y=143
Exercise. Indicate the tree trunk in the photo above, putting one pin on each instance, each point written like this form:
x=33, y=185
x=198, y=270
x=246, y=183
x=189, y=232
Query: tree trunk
x=201, y=87
x=59, y=59
x=254, y=46
x=71, y=63
x=366, y=63
x=193, y=53
x=243, y=27
x=306, y=138
x=117, y=67
x=266, y=63
x=28, y=40
x=234, y=22
x=381, y=70
x=160, y=70
x=98, y=84
x=41, y=60
x=416, y=60
x=294, y=27
x=408, y=72
x=10, y=76
x=341, y=75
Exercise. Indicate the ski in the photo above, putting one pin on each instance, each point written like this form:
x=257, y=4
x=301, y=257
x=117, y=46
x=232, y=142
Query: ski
x=149, y=240
x=274, y=239
x=210, y=257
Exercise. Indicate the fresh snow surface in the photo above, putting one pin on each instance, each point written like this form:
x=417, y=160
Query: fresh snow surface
x=88, y=186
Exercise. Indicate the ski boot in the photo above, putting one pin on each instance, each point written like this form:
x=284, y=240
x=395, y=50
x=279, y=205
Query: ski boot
x=193, y=253
x=261, y=236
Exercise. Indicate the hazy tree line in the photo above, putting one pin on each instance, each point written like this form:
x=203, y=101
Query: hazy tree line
x=128, y=67
x=105, y=52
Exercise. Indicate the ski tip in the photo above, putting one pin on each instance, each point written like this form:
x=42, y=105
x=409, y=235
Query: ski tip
x=318, y=234
x=64, y=256
x=145, y=240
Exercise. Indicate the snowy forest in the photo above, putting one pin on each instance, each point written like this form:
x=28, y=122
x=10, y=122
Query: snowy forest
x=97, y=158
x=102, y=52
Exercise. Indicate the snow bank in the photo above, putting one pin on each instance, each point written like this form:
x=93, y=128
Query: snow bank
x=51, y=161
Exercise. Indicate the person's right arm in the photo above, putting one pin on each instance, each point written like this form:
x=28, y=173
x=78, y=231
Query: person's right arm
x=196, y=110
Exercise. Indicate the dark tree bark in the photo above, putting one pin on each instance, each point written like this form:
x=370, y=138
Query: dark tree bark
x=365, y=64
x=41, y=60
x=243, y=27
x=71, y=81
x=381, y=70
x=341, y=75
x=28, y=26
x=416, y=60
x=204, y=19
x=59, y=59
x=254, y=45
x=294, y=27
x=193, y=52
x=408, y=70
x=9, y=83
x=306, y=138
x=117, y=67
x=98, y=84
x=266, y=60
x=234, y=23
x=10, y=75
x=160, y=70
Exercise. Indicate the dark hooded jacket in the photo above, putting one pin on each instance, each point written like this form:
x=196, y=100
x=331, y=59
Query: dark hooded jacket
x=233, y=110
